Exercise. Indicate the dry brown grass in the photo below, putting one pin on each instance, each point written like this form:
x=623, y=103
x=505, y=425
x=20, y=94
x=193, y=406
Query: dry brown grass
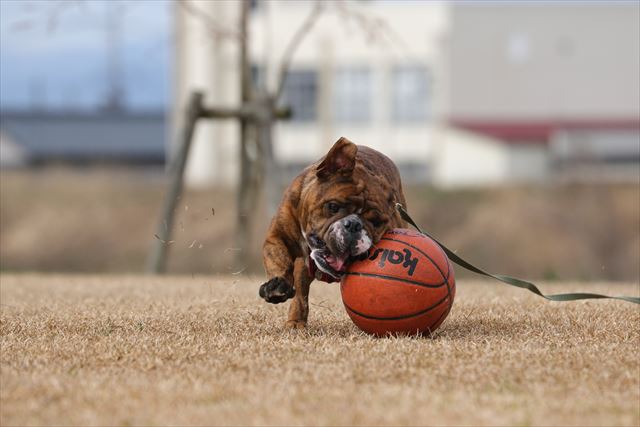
x=125, y=350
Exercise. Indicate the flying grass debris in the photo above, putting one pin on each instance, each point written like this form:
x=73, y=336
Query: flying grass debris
x=164, y=241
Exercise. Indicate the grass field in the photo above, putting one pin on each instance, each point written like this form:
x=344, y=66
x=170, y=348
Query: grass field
x=132, y=350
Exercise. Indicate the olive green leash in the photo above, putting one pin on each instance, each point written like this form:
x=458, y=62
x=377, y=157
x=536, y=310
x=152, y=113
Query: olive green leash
x=507, y=279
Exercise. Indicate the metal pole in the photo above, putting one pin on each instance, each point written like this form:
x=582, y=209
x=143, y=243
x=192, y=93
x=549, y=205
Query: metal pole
x=157, y=259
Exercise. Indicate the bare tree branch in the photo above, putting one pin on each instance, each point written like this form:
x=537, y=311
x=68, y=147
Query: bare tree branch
x=295, y=41
x=56, y=11
x=375, y=29
x=51, y=12
x=216, y=29
x=369, y=26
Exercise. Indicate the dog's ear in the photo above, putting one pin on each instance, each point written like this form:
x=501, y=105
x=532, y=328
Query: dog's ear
x=341, y=159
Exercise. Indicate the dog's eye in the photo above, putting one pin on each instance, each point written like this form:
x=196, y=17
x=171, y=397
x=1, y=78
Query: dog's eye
x=333, y=207
x=377, y=222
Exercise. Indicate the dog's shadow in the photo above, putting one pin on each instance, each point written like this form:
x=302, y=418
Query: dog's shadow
x=451, y=329
x=466, y=326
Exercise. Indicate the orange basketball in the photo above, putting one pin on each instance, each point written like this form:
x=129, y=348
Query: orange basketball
x=405, y=286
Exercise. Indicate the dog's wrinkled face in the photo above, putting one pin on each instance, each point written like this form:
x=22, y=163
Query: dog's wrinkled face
x=343, y=217
x=337, y=239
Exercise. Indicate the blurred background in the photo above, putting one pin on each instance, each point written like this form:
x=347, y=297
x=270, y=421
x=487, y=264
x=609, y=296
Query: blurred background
x=515, y=124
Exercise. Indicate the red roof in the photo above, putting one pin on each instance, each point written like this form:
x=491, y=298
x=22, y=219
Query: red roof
x=539, y=131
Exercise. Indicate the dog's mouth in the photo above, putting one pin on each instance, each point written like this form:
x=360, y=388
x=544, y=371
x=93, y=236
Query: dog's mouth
x=328, y=263
x=333, y=267
x=325, y=264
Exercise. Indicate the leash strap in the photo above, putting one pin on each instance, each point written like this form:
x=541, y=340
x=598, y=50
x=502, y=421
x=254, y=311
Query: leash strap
x=507, y=279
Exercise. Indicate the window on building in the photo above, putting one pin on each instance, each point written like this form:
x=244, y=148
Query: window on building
x=300, y=92
x=352, y=95
x=410, y=94
x=257, y=76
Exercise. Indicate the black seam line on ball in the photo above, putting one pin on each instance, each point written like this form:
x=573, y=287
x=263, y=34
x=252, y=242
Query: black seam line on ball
x=423, y=253
x=448, y=310
x=406, y=316
x=447, y=281
x=398, y=279
x=444, y=313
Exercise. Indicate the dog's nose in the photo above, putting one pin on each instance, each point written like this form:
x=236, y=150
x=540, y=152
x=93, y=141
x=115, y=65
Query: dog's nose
x=353, y=225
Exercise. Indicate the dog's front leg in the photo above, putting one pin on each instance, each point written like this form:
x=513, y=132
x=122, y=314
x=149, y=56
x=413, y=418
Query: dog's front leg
x=278, y=263
x=299, y=308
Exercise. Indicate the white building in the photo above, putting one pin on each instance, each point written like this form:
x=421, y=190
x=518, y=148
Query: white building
x=460, y=93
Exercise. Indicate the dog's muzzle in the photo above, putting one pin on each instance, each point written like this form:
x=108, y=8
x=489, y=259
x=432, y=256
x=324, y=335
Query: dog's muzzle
x=346, y=240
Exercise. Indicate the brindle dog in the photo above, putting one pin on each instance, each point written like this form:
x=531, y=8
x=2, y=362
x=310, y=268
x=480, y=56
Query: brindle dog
x=331, y=214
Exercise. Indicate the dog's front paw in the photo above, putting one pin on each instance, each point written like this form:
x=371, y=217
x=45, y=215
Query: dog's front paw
x=296, y=324
x=277, y=290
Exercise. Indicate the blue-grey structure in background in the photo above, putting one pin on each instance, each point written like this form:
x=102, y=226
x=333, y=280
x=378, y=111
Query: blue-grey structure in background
x=31, y=138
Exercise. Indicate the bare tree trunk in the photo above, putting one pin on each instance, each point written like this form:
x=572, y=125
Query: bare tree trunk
x=245, y=196
x=271, y=176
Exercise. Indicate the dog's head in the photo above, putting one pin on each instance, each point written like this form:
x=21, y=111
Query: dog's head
x=346, y=207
